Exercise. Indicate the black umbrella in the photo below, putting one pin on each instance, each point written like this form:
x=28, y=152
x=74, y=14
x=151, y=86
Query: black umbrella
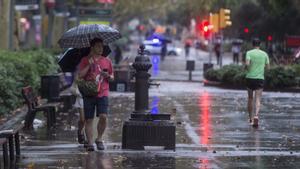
x=71, y=58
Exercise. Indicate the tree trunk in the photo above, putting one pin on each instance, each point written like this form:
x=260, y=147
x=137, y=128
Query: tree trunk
x=4, y=22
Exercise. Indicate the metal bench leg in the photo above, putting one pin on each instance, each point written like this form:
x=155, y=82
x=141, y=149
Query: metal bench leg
x=11, y=148
x=49, y=121
x=5, y=155
x=52, y=112
x=54, y=116
x=29, y=119
x=17, y=144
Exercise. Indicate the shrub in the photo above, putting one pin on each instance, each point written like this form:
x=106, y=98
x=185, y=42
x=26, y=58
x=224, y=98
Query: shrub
x=19, y=69
x=296, y=68
x=213, y=75
x=280, y=77
x=276, y=77
x=229, y=72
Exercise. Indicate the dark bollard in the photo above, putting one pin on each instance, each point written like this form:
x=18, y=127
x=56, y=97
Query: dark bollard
x=207, y=66
x=190, y=66
x=144, y=128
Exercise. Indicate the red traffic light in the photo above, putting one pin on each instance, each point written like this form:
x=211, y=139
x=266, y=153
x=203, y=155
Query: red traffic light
x=205, y=28
x=270, y=38
x=246, y=30
x=205, y=25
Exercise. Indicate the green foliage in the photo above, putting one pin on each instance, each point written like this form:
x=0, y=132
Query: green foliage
x=229, y=72
x=296, y=68
x=266, y=17
x=213, y=75
x=275, y=78
x=280, y=77
x=233, y=75
x=19, y=69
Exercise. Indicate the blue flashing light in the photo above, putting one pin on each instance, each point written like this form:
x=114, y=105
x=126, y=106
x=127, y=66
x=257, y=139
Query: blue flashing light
x=155, y=40
x=154, y=105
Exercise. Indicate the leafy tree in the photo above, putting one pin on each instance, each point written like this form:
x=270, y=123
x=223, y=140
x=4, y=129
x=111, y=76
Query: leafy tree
x=266, y=17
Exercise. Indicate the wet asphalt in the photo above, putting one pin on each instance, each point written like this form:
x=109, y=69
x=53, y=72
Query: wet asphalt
x=212, y=131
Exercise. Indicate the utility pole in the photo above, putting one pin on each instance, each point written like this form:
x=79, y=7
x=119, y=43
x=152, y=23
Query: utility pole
x=5, y=7
x=11, y=27
x=44, y=22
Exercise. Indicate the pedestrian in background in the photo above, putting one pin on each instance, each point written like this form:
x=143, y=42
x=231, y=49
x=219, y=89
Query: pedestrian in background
x=187, y=46
x=256, y=62
x=118, y=54
x=236, y=52
x=95, y=66
x=217, y=50
x=78, y=106
x=163, y=52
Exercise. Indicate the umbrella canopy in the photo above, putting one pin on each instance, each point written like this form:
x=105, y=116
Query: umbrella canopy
x=72, y=57
x=80, y=36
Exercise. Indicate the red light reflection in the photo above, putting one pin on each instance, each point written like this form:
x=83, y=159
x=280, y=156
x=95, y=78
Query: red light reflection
x=204, y=103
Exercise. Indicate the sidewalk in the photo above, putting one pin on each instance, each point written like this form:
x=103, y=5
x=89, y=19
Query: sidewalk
x=211, y=129
x=211, y=132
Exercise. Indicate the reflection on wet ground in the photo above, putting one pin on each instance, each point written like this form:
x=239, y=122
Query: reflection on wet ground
x=212, y=132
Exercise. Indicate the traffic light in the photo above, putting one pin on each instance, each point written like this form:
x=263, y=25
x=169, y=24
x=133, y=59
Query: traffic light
x=246, y=30
x=214, y=21
x=224, y=18
x=205, y=28
x=270, y=38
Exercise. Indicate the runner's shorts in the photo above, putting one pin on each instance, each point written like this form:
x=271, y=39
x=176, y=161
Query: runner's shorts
x=254, y=84
x=92, y=103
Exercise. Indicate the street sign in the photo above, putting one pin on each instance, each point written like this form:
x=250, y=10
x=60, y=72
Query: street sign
x=103, y=13
x=87, y=22
x=23, y=5
x=26, y=7
x=26, y=2
x=292, y=41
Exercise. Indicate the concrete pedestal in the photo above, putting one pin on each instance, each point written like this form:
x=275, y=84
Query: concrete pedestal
x=137, y=134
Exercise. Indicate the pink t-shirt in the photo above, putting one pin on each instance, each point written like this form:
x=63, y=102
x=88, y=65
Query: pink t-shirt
x=100, y=64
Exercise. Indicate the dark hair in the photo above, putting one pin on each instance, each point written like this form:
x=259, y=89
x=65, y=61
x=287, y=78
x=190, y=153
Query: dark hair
x=256, y=42
x=95, y=40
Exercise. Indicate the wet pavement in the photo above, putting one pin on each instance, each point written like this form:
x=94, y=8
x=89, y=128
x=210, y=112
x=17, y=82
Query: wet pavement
x=211, y=132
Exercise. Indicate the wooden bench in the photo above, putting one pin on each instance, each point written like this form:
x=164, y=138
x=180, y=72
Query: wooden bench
x=13, y=137
x=33, y=105
x=3, y=142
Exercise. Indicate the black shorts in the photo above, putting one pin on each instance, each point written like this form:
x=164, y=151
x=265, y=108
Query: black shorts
x=92, y=103
x=254, y=84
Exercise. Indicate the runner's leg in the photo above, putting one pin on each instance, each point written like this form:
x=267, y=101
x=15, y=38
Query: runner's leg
x=258, y=94
x=250, y=104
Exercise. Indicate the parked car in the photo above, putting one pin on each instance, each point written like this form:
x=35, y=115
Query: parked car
x=154, y=47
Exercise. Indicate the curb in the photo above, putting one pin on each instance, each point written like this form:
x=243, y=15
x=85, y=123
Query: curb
x=220, y=85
